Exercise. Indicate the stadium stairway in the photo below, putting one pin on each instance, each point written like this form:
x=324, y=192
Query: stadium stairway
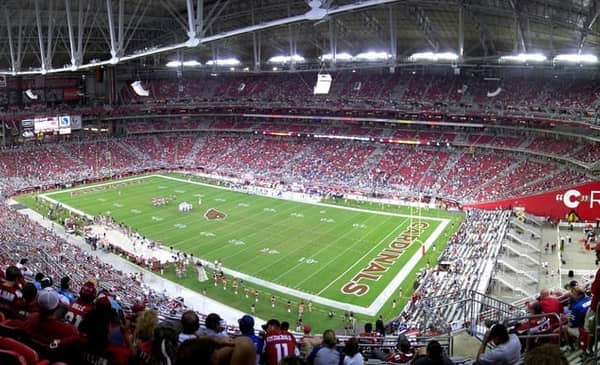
x=511, y=250
x=513, y=236
x=520, y=271
x=134, y=151
x=442, y=177
x=194, y=151
x=527, y=228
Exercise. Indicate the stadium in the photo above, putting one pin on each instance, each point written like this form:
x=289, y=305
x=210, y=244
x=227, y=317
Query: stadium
x=395, y=181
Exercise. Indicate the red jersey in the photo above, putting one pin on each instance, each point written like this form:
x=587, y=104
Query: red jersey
x=279, y=345
x=77, y=310
x=48, y=329
x=551, y=305
x=11, y=300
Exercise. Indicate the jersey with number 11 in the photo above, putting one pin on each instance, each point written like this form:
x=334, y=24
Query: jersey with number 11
x=279, y=345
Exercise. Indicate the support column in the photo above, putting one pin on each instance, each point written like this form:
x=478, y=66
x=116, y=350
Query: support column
x=40, y=40
x=332, y=42
x=393, y=37
x=461, y=30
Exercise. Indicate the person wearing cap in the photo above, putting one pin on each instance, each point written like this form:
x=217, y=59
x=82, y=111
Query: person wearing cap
x=246, y=324
x=82, y=305
x=43, y=326
x=507, y=350
x=279, y=344
x=308, y=342
x=578, y=311
x=326, y=353
x=212, y=326
x=11, y=297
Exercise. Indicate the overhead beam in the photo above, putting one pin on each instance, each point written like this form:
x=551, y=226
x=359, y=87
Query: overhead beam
x=212, y=17
x=461, y=30
x=485, y=38
x=594, y=13
x=425, y=25
x=38, y=22
x=71, y=33
x=13, y=59
x=111, y=29
x=521, y=25
x=191, y=19
x=50, y=29
x=393, y=35
x=200, y=18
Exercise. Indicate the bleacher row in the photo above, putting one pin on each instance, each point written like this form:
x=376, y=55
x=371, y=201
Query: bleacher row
x=465, y=265
x=384, y=89
x=576, y=149
x=364, y=168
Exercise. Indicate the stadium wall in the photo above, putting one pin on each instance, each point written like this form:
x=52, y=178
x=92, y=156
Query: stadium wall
x=583, y=201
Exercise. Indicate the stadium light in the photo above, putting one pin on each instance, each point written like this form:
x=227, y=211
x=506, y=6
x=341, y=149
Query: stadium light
x=173, y=64
x=344, y=57
x=191, y=63
x=576, y=58
x=524, y=57
x=373, y=56
x=286, y=59
x=431, y=56
x=224, y=62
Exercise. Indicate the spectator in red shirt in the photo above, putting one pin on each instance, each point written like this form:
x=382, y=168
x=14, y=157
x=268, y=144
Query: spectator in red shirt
x=43, y=326
x=11, y=297
x=279, y=343
x=550, y=304
x=367, y=337
x=83, y=305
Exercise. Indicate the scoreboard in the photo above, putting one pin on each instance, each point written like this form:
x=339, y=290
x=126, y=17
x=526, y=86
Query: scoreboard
x=53, y=125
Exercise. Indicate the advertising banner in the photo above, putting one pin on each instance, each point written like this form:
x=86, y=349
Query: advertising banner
x=580, y=202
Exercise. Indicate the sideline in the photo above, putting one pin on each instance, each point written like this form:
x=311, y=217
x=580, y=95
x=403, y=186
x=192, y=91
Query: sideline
x=192, y=299
x=372, y=310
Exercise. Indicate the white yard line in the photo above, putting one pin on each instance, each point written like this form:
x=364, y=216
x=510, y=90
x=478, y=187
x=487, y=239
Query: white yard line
x=371, y=310
x=362, y=257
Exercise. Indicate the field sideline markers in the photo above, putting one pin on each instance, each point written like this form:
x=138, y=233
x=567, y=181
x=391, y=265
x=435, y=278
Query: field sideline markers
x=371, y=310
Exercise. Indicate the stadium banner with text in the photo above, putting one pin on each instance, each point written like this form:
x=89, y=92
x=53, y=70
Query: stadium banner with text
x=580, y=202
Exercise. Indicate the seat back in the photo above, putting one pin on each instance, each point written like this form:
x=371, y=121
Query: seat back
x=11, y=331
x=11, y=358
x=30, y=355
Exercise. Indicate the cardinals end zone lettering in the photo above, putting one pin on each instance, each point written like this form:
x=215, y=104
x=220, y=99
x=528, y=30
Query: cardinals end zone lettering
x=378, y=266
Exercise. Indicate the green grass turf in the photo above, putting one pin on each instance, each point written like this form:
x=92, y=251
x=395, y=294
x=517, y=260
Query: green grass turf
x=335, y=245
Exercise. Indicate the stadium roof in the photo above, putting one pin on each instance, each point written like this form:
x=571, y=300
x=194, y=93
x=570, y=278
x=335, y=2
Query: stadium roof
x=43, y=35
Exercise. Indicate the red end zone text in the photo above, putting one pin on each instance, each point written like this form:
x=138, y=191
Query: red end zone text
x=358, y=285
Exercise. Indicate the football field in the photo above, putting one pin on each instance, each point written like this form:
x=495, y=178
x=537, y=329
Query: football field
x=340, y=256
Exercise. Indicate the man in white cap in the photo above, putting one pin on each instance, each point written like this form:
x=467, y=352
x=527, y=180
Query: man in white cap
x=43, y=326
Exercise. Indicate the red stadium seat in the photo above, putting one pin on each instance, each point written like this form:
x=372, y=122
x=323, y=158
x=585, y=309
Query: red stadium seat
x=11, y=358
x=30, y=355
